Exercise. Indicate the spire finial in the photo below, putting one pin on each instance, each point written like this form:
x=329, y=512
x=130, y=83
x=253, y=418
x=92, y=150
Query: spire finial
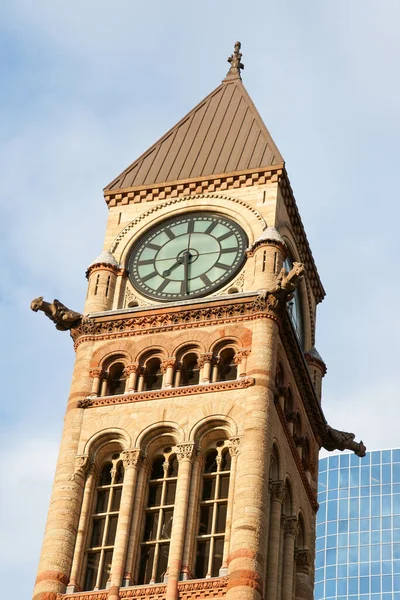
x=235, y=63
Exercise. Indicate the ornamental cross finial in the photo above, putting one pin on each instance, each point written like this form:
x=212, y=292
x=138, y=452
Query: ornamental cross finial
x=235, y=63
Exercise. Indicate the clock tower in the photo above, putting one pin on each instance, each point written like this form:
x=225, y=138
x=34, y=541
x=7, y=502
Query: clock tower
x=188, y=462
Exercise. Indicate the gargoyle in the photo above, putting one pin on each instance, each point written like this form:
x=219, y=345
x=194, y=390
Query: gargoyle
x=286, y=282
x=63, y=317
x=342, y=440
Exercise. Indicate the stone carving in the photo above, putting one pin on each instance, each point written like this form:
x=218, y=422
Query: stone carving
x=96, y=372
x=185, y=451
x=129, y=369
x=240, y=355
x=63, y=317
x=85, y=403
x=286, y=282
x=290, y=526
x=277, y=490
x=234, y=446
x=80, y=467
x=234, y=60
x=168, y=362
x=130, y=458
x=342, y=440
x=203, y=358
x=302, y=559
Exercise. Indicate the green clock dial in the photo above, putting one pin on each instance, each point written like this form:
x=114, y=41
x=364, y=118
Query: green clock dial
x=187, y=256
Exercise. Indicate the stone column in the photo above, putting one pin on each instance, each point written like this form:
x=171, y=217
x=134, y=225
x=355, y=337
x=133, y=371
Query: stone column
x=241, y=362
x=96, y=375
x=190, y=538
x=133, y=546
x=104, y=386
x=233, y=451
x=63, y=516
x=167, y=368
x=204, y=361
x=185, y=457
x=247, y=553
x=277, y=493
x=215, y=370
x=131, y=372
x=130, y=459
x=86, y=510
x=290, y=526
x=304, y=586
x=140, y=380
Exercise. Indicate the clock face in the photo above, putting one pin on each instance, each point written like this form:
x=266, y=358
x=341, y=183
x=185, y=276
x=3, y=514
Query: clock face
x=187, y=256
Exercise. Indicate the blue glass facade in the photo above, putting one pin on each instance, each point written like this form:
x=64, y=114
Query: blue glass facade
x=358, y=527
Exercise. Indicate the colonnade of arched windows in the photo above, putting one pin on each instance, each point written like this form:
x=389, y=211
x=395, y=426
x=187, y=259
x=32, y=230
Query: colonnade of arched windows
x=153, y=371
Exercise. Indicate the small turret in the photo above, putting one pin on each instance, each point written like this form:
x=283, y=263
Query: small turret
x=102, y=275
x=268, y=253
x=316, y=368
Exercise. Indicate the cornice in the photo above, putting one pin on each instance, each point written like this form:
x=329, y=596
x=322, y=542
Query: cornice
x=198, y=185
x=162, y=318
x=189, y=390
x=302, y=244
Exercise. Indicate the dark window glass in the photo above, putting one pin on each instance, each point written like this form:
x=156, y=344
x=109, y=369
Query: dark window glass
x=157, y=471
x=93, y=559
x=167, y=524
x=153, y=375
x=227, y=366
x=170, y=495
x=208, y=489
x=150, y=528
x=226, y=461
x=173, y=467
x=102, y=501
x=211, y=462
x=146, y=564
x=116, y=380
x=162, y=563
x=155, y=494
x=105, y=477
x=218, y=555
x=190, y=372
x=203, y=551
x=97, y=533
x=106, y=568
x=116, y=501
x=206, y=513
x=112, y=529
x=221, y=518
x=224, y=486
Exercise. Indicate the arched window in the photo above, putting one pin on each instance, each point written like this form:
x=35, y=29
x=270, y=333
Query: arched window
x=116, y=379
x=158, y=514
x=103, y=527
x=294, y=307
x=153, y=375
x=213, y=510
x=227, y=369
x=190, y=371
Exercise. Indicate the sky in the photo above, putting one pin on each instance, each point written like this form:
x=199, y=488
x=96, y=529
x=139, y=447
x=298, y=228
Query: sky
x=88, y=86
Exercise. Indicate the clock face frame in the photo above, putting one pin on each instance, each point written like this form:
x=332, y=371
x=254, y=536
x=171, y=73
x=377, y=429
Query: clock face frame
x=187, y=256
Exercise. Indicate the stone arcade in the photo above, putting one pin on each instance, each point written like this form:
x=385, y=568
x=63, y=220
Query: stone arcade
x=188, y=462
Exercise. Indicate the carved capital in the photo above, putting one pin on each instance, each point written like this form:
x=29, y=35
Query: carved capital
x=204, y=358
x=81, y=464
x=290, y=526
x=97, y=372
x=302, y=559
x=130, y=458
x=166, y=364
x=277, y=490
x=185, y=451
x=240, y=355
x=234, y=446
x=266, y=301
x=131, y=369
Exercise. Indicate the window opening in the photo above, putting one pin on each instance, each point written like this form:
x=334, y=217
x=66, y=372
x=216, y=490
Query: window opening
x=97, y=285
x=227, y=366
x=104, y=526
x=264, y=263
x=213, y=510
x=190, y=372
x=108, y=285
x=116, y=379
x=158, y=515
x=153, y=375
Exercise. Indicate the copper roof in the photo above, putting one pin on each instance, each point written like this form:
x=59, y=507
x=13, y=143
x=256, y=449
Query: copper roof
x=222, y=134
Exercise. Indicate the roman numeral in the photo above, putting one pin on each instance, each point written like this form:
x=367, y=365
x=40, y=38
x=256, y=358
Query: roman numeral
x=150, y=276
x=205, y=279
x=190, y=227
x=224, y=250
x=154, y=246
x=170, y=233
x=163, y=285
x=226, y=235
x=222, y=266
x=211, y=227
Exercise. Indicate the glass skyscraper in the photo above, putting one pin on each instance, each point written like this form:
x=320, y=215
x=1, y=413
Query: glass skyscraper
x=358, y=527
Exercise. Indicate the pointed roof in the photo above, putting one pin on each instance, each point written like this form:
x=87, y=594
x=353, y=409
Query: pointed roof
x=222, y=134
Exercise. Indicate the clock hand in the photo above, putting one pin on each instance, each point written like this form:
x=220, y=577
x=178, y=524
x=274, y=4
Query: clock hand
x=186, y=257
x=179, y=261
